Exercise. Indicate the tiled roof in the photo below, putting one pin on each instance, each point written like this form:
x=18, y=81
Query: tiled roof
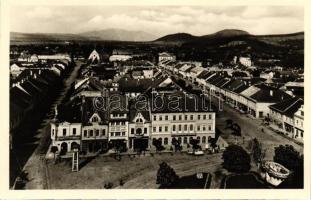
x=167, y=103
x=288, y=107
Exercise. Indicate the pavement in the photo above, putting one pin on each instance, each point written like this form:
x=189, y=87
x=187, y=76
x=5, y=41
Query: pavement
x=36, y=164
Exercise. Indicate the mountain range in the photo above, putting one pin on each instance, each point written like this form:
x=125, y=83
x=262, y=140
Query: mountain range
x=99, y=35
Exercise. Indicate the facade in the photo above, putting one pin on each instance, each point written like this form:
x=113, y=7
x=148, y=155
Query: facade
x=286, y=115
x=190, y=121
x=298, y=121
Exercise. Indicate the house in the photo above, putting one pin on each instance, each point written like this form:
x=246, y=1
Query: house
x=139, y=125
x=282, y=116
x=118, y=121
x=258, y=98
x=164, y=56
x=138, y=74
x=120, y=55
x=187, y=119
x=298, y=121
x=246, y=61
x=16, y=70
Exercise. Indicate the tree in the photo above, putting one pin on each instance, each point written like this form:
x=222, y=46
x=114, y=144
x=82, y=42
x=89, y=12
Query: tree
x=258, y=152
x=287, y=156
x=176, y=144
x=158, y=144
x=290, y=158
x=166, y=176
x=195, y=144
x=236, y=159
x=54, y=149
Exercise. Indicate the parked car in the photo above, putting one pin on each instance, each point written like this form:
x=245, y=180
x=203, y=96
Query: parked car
x=198, y=153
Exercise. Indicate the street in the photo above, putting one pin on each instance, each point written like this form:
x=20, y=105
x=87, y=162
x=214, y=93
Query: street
x=35, y=165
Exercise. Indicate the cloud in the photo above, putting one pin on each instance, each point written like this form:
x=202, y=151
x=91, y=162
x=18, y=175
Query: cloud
x=160, y=20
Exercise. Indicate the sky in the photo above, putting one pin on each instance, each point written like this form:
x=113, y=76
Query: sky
x=158, y=20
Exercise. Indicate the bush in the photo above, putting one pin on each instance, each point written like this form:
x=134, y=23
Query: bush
x=166, y=176
x=236, y=159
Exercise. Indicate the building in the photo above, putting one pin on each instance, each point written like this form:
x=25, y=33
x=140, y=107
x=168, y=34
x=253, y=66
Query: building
x=298, y=121
x=139, y=125
x=94, y=57
x=166, y=56
x=186, y=120
x=282, y=116
x=246, y=61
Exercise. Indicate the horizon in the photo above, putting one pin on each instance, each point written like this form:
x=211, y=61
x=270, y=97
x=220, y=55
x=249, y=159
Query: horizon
x=158, y=20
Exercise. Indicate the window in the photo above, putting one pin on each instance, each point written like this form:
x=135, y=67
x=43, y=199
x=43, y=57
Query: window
x=199, y=128
x=165, y=141
x=103, y=132
x=155, y=118
x=74, y=131
x=97, y=132
x=166, y=128
x=204, y=128
x=180, y=117
x=204, y=117
x=302, y=113
x=179, y=127
x=191, y=117
x=191, y=127
x=132, y=131
x=154, y=129
x=117, y=133
x=139, y=120
x=166, y=117
x=123, y=133
x=198, y=138
x=91, y=133
x=160, y=128
x=199, y=117
x=112, y=134
x=85, y=133
x=209, y=116
x=64, y=131
x=94, y=119
x=185, y=127
x=186, y=117
x=174, y=117
x=145, y=130
x=52, y=132
x=209, y=127
x=160, y=117
x=174, y=127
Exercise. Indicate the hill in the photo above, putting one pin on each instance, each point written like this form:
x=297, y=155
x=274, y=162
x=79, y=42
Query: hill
x=118, y=35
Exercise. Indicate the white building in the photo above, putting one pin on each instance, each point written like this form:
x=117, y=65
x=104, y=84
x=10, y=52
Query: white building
x=166, y=56
x=298, y=120
x=246, y=61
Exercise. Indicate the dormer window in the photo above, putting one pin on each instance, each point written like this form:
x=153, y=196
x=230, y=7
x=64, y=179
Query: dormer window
x=139, y=120
x=95, y=118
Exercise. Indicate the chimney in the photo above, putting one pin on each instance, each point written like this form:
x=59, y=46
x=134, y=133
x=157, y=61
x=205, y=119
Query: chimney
x=271, y=93
x=39, y=71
